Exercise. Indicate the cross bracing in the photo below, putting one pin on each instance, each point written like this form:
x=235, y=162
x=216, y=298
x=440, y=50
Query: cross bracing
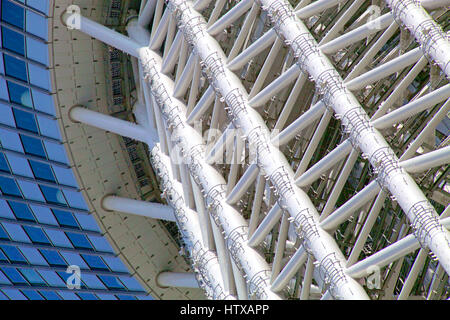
x=327, y=113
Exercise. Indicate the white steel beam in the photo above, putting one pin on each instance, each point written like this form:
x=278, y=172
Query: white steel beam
x=138, y=207
x=177, y=279
x=363, y=135
x=433, y=41
x=276, y=168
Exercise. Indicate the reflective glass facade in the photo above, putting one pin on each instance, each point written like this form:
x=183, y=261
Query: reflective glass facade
x=45, y=225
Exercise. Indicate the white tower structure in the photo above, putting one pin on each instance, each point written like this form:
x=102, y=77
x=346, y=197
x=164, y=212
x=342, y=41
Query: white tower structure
x=301, y=147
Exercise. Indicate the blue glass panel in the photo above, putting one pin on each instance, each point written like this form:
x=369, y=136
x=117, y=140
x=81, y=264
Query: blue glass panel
x=3, y=92
x=32, y=146
x=19, y=165
x=10, y=140
x=32, y=277
x=13, y=254
x=52, y=278
x=43, y=215
x=19, y=94
x=7, y=115
x=12, y=14
x=115, y=264
x=9, y=187
x=15, y=68
x=100, y=244
x=125, y=297
x=39, y=76
x=37, y=51
x=25, y=120
x=3, y=87
x=30, y=190
x=43, y=102
x=3, y=164
x=21, y=211
x=3, y=259
x=42, y=171
x=65, y=176
x=48, y=127
x=56, y=152
x=58, y=238
x=14, y=294
x=87, y=222
x=14, y=276
x=33, y=256
x=86, y=296
x=53, y=258
x=3, y=235
x=53, y=195
x=65, y=219
x=104, y=296
x=112, y=282
x=32, y=295
x=74, y=259
x=66, y=295
x=13, y=41
x=3, y=296
x=75, y=199
x=79, y=241
x=4, y=279
x=94, y=262
x=41, y=5
x=5, y=210
x=50, y=295
x=36, y=235
x=37, y=25
x=16, y=232
x=92, y=281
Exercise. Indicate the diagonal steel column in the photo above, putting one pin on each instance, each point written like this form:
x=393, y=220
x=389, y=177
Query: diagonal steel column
x=422, y=215
x=268, y=157
x=433, y=41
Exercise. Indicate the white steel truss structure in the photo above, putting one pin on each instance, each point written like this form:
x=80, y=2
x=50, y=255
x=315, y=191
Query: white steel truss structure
x=298, y=145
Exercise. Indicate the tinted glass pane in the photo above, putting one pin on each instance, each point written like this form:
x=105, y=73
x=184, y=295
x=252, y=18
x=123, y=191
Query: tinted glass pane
x=79, y=240
x=32, y=295
x=32, y=277
x=14, y=276
x=13, y=41
x=125, y=297
x=3, y=234
x=32, y=146
x=19, y=94
x=12, y=14
x=50, y=295
x=25, y=120
x=53, y=195
x=15, y=68
x=3, y=163
x=21, y=211
x=36, y=235
x=9, y=187
x=94, y=262
x=86, y=296
x=2, y=259
x=42, y=170
x=65, y=219
x=112, y=282
x=13, y=254
x=53, y=258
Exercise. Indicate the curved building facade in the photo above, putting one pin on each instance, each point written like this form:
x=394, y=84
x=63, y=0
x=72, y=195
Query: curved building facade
x=46, y=224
